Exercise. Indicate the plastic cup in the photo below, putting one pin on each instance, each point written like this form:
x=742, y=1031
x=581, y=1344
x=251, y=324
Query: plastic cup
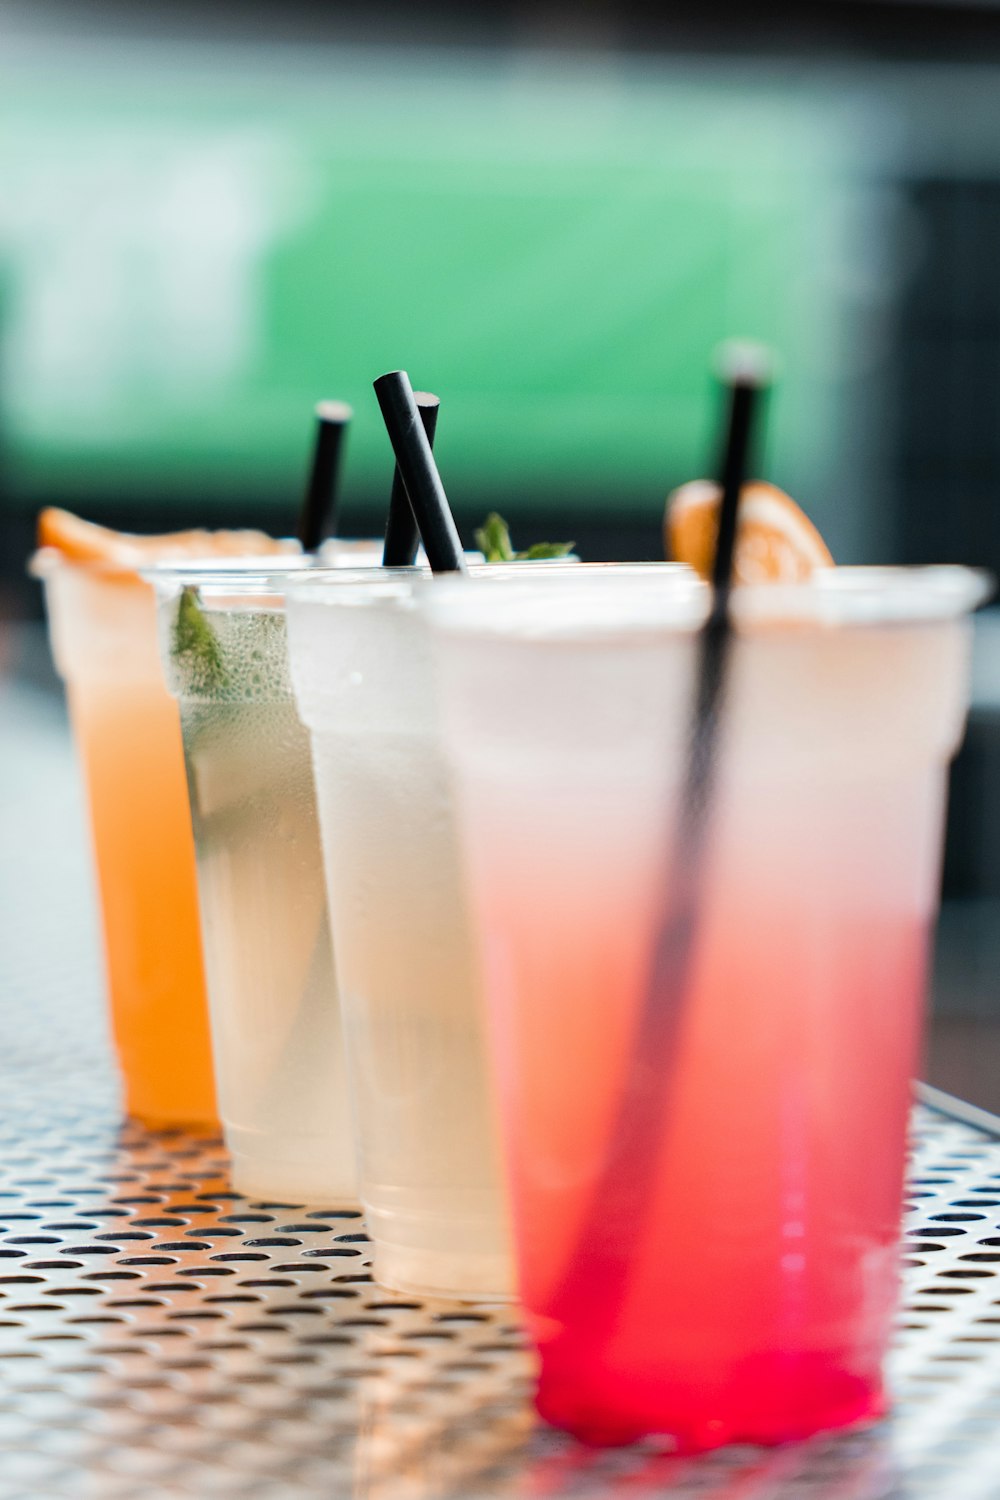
x=755, y=1283
x=351, y=552
x=408, y=975
x=102, y=625
x=276, y=1028
x=366, y=552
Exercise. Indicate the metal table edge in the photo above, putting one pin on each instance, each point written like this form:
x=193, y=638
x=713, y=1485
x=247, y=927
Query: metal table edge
x=957, y=1109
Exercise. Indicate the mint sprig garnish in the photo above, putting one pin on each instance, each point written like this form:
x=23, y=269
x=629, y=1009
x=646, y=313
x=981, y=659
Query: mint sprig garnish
x=493, y=541
x=541, y=551
x=195, y=642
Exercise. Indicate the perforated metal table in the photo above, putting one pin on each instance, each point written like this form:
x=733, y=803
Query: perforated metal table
x=163, y=1337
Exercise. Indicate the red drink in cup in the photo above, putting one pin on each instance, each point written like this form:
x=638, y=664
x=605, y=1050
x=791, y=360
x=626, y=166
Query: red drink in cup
x=748, y=1295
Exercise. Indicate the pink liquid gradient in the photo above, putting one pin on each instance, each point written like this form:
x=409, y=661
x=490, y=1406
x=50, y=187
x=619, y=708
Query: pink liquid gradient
x=760, y=1273
x=703, y=1067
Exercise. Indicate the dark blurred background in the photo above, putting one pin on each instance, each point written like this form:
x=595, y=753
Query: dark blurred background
x=213, y=214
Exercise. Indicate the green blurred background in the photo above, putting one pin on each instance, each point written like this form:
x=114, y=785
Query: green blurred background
x=198, y=241
x=212, y=216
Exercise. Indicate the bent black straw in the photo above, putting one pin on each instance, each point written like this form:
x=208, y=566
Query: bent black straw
x=401, y=535
x=419, y=473
x=605, y=1253
x=318, y=515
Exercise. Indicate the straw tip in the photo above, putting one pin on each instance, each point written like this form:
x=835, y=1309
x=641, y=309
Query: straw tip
x=391, y=377
x=745, y=362
x=336, y=412
x=426, y=399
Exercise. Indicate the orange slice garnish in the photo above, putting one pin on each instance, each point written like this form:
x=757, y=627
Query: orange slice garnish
x=776, y=542
x=82, y=541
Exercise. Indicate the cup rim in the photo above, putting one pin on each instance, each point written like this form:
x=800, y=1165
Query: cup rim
x=241, y=584
x=382, y=585
x=616, y=607
x=45, y=561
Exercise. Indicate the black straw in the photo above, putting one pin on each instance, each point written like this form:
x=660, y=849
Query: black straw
x=318, y=515
x=604, y=1255
x=402, y=537
x=418, y=470
x=746, y=372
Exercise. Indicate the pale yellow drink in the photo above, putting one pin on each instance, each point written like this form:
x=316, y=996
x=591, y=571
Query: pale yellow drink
x=429, y=1164
x=272, y=991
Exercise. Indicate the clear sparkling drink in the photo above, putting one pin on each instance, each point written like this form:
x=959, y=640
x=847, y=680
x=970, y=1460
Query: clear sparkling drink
x=429, y=1161
x=272, y=989
x=738, y=1280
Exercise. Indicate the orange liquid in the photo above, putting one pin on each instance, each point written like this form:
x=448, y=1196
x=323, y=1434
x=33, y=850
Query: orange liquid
x=128, y=735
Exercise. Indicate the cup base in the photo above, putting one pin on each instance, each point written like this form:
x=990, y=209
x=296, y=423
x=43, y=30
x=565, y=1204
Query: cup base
x=288, y=1182
x=156, y=1118
x=804, y=1395
x=454, y=1274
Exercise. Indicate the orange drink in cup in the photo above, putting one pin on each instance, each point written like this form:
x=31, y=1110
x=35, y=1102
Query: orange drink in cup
x=102, y=621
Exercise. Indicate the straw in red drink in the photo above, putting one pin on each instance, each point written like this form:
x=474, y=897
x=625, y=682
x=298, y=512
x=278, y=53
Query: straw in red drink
x=598, y=1272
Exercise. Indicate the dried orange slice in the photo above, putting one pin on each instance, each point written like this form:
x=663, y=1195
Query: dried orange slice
x=776, y=541
x=85, y=542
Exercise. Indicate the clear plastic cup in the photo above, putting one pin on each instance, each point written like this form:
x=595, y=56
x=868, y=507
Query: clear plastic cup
x=102, y=623
x=408, y=975
x=278, y=1040
x=366, y=552
x=747, y=1294
x=351, y=552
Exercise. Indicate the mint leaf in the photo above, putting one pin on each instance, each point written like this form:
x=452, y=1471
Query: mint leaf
x=195, y=642
x=542, y=550
x=493, y=539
